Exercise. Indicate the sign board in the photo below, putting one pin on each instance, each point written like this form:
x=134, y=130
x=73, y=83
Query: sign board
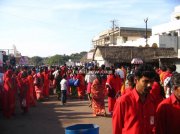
x=90, y=55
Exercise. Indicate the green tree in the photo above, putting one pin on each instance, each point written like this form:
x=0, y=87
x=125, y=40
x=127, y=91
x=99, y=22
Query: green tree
x=36, y=60
x=57, y=60
x=77, y=56
x=154, y=45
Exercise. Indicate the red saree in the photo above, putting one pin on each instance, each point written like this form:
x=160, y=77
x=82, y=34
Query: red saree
x=81, y=88
x=98, y=95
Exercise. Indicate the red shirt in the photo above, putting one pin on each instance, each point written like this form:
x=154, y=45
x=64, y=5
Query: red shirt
x=156, y=93
x=127, y=90
x=131, y=116
x=114, y=82
x=168, y=116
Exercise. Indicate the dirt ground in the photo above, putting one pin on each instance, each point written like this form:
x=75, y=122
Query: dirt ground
x=50, y=117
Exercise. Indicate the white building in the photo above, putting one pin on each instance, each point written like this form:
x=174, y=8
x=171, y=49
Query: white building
x=120, y=36
x=165, y=35
x=168, y=34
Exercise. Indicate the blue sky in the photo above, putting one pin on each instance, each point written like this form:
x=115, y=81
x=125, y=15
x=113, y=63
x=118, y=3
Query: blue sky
x=48, y=27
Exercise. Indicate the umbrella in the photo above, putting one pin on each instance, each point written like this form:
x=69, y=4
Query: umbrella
x=136, y=61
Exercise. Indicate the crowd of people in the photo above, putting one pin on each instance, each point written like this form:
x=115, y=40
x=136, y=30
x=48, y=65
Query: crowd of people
x=141, y=100
x=152, y=103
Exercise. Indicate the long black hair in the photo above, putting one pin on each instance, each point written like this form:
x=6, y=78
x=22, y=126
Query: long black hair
x=99, y=77
x=157, y=79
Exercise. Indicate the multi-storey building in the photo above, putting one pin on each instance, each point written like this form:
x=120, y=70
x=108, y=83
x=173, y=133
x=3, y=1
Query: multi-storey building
x=168, y=35
x=161, y=36
x=119, y=36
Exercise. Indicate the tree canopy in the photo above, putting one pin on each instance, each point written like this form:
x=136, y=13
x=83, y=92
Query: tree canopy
x=56, y=59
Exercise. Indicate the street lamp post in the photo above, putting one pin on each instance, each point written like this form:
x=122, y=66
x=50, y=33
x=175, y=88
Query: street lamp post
x=146, y=20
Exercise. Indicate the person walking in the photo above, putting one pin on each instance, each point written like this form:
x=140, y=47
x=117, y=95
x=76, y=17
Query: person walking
x=89, y=78
x=113, y=85
x=8, y=103
x=81, y=84
x=64, y=88
x=98, y=95
x=168, y=111
x=134, y=112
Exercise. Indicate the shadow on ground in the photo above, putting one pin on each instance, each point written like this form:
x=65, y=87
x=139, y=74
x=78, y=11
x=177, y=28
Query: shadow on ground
x=50, y=117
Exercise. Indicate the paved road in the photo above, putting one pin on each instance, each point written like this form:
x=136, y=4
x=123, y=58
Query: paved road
x=50, y=117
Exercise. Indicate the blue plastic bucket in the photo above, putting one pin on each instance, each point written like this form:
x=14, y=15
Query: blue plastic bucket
x=82, y=129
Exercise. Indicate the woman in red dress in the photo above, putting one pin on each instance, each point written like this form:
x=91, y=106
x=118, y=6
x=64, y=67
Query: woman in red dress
x=24, y=92
x=31, y=88
x=98, y=95
x=8, y=104
x=82, y=86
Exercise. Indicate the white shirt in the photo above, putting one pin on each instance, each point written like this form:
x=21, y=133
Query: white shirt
x=56, y=73
x=63, y=84
x=120, y=73
x=90, y=77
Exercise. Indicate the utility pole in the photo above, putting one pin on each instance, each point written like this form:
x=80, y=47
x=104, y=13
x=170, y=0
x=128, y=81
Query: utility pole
x=146, y=20
x=113, y=27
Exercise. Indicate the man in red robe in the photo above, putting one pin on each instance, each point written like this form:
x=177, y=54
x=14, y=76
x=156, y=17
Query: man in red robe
x=168, y=111
x=134, y=112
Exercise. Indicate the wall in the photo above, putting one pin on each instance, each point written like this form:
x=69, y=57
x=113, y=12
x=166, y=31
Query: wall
x=168, y=41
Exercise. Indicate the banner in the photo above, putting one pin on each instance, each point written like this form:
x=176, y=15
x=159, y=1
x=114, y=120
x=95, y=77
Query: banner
x=90, y=55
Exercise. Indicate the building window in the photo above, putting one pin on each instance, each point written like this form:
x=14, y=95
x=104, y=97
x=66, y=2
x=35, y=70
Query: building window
x=107, y=38
x=124, y=39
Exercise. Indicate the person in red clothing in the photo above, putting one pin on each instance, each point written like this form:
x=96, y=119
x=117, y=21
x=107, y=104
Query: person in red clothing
x=46, y=83
x=134, y=112
x=24, y=92
x=82, y=86
x=8, y=101
x=171, y=69
x=98, y=95
x=39, y=84
x=131, y=84
x=157, y=90
x=168, y=111
x=15, y=89
x=32, y=100
x=113, y=84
